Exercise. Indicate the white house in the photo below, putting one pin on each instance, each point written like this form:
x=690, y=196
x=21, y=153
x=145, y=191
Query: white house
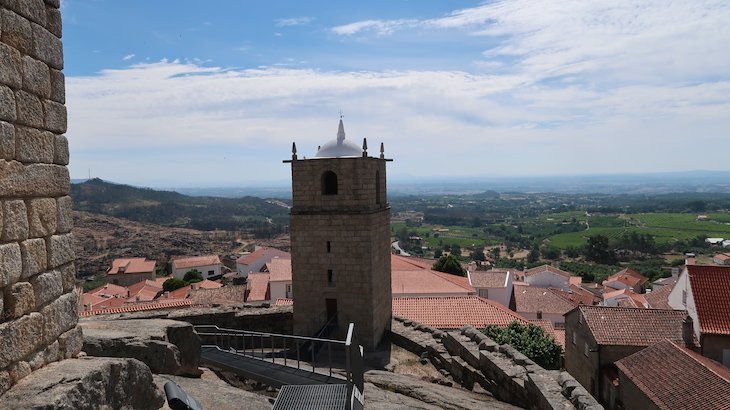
x=547, y=276
x=210, y=266
x=280, y=279
x=255, y=261
x=494, y=284
x=715, y=241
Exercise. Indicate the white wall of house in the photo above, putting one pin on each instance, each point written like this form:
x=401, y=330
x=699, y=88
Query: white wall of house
x=615, y=284
x=681, y=298
x=501, y=295
x=281, y=290
x=547, y=279
x=257, y=264
x=208, y=271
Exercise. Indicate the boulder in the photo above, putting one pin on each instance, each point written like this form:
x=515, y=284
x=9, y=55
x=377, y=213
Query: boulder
x=166, y=346
x=86, y=383
x=213, y=393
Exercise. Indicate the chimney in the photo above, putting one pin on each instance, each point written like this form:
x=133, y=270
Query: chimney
x=688, y=331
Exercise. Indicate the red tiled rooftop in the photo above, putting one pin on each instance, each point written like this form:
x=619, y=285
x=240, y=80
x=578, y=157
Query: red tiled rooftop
x=280, y=270
x=676, y=378
x=628, y=277
x=722, y=256
x=181, y=293
x=626, y=297
x=261, y=252
x=257, y=287
x=548, y=268
x=577, y=296
x=131, y=265
x=455, y=312
x=284, y=302
x=207, y=284
x=711, y=290
x=533, y=299
x=494, y=278
x=195, y=261
x=109, y=290
x=139, y=307
x=659, y=299
x=632, y=327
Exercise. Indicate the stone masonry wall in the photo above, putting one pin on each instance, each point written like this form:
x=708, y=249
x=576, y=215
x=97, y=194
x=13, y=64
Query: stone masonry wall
x=38, y=313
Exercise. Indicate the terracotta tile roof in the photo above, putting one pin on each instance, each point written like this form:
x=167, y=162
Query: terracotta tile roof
x=139, y=307
x=710, y=290
x=632, y=327
x=398, y=262
x=144, y=291
x=226, y=295
x=548, y=268
x=131, y=265
x=722, y=256
x=109, y=290
x=262, y=252
x=533, y=299
x=626, y=297
x=207, y=284
x=494, y=278
x=577, y=295
x=280, y=270
x=659, y=299
x=413, y=277
x=575, y=280
x=181, y=293
x=676, y=378
x=628, y=277
x=455, y=312
x=284, y=302
x=257, y=287
x=195, y=261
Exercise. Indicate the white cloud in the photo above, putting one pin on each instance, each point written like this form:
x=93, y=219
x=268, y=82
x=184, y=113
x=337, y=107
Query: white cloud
x=294, y=21
x=128, y=57
x=381, y=27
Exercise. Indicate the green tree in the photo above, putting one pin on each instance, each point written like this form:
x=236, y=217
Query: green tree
x=534, y=254
x=530, y=340
x=456, y=250
x=193, y=276
x=172, y=284
x=598, y=250
x=494, y=252
x=478, y=255
x=449, y=264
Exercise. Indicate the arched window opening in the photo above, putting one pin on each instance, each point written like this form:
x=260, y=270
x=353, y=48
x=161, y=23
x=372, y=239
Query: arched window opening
x=377, y=187
x=329, y=183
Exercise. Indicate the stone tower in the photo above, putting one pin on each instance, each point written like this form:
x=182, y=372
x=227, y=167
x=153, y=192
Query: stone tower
x=340, y=241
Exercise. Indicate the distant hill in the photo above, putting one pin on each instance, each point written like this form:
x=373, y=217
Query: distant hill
x=256, y=215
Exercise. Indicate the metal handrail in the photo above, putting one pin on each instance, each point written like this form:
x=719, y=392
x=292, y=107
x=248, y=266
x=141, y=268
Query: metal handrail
x=251, y=332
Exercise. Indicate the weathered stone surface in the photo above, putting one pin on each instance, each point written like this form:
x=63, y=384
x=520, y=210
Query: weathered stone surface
x=60, y=152
x=15, y=221
x=5, y=381
x=11, y=265
x=166, y=346
x=47, y=287
x=47, y=47
x=34, y=145
x=33, y=252
x=17, y=32
x=59, y=316
x=70, y=343
x=7, y=140
x=431, y=394
x=41, y=358
x=19, y=370
x=42, y=217
x=214, y=393
x=53, y=3
x=65, y=215
x=58, y=86
x=34, y=180
x=7, y=103
x=53, y=21
x=33, y=10
x=68, y=277
x=11, y=68
x=19, y=338
x=55, y=119
x=29, y=109
x=36, y=78
x=60, y=250
x=86, y=383
x=19, y=299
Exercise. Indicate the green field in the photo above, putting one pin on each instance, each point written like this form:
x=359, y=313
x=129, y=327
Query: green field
x=459, y=235
x=665, y=227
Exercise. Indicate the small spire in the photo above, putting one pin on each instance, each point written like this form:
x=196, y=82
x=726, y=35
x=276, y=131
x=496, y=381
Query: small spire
x=293, y=150
x=340, y=133
x=364, y=147
x=382, y=151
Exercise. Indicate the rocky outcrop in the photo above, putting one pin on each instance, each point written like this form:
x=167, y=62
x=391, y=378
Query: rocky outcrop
x=86, y=383
x=213, y=393
x=166, y=346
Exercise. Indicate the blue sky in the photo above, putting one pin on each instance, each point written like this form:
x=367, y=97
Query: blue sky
x=169, y=93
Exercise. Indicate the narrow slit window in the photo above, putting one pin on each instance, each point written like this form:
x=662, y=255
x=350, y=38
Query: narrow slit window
x=329, y=183
x=330, y=276
x=329, y=246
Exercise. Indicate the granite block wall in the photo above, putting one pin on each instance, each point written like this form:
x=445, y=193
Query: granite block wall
x=38, y=309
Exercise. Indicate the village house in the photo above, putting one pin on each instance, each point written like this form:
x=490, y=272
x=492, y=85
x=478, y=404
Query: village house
x=578, y=295
x=624, y=298
x=413, y=277
x=256, y=260
x=667, y=375
x=494, y=284
x=280, y=278
x=541, y=303
x=126, y=271
x=209, y=266
x=547, y=276
x=455, y=312
x=597, y=336
x=704, y=291
x=722, y=259
x=627, y=279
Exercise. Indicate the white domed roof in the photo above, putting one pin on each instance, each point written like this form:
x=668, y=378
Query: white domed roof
x=339, y=147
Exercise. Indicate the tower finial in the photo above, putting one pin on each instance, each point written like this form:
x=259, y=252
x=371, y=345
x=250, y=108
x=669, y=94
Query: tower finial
x=340, y=132
x=382, y=151
x=364, y=147
x=293, y=150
